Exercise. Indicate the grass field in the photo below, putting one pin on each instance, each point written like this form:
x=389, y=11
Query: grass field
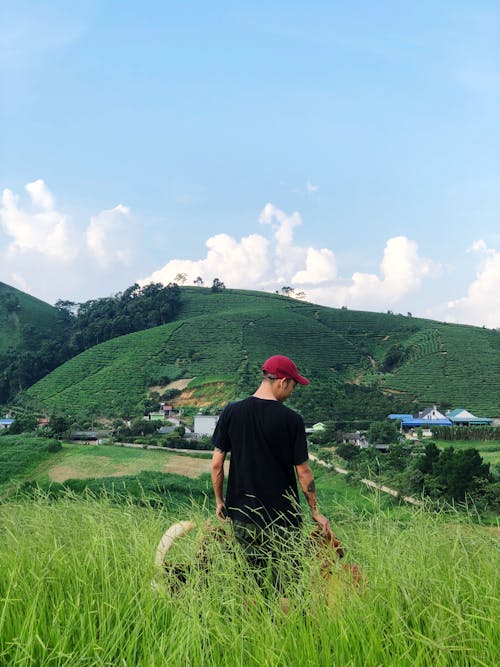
x=101, y=461
x=489, y=449
x=76, y=590
x=91, y=461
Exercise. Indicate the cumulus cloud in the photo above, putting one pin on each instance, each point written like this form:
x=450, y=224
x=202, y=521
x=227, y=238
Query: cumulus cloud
x=239, y=263
x=108, y=236
x=38, y=228
x=39, y=243
x=271, y=263
x=481, y=304
x=402, y=270
x=320, y=267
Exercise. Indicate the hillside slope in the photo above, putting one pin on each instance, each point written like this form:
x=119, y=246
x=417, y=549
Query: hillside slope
x=18, y=310
x=222, y=338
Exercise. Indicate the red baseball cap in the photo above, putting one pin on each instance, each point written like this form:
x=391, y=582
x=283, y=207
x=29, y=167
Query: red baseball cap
x=283, y=367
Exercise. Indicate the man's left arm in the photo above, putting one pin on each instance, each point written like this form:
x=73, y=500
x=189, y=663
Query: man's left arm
x=308, y=486
x=218, y=459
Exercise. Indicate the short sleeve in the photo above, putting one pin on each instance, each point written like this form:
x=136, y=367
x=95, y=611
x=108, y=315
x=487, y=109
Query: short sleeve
x=220, y=437
x=300, y=453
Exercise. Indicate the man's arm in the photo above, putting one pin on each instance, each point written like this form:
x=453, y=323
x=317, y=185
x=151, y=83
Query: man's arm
x=218, y=459
x=306, y=481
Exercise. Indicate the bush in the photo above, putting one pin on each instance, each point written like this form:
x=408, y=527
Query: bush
x=54, y=446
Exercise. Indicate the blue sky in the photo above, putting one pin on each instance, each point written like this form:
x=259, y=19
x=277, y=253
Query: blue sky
x=349, y=150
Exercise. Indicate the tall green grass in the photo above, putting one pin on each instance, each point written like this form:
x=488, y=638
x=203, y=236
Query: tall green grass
x=75, y=589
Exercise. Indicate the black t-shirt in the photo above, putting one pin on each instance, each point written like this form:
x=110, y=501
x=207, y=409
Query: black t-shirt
x=266, y=440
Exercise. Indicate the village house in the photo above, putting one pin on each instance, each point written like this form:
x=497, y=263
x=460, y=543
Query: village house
x=204, y=425
x=462, y=417
x=424, y=419
x=357, y=438
x=5, y=422
x=162, y=414
x=433, y=417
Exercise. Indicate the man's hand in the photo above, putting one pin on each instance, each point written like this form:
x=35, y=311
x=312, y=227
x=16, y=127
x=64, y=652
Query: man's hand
x=323, y=523
x=220, y=511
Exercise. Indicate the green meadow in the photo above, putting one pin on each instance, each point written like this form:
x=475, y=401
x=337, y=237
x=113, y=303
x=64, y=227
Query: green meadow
x=77, y=564
x=76, y=590
x=489, y=449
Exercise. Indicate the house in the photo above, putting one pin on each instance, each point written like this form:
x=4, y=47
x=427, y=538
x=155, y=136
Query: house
x=156, y=416
x=6, y=422
x=316, y=428
x=90, y=436
x=205, y=424
x=424, y=419
x=462, y=417
x=357, y=438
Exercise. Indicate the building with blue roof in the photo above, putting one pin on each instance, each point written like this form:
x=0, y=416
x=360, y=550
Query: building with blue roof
x=425, y=419
x=432, y=417
x=462, y=417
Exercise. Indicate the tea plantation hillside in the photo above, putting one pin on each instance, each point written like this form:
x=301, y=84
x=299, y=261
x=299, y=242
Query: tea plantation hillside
x=363, y=365
x=18, y=311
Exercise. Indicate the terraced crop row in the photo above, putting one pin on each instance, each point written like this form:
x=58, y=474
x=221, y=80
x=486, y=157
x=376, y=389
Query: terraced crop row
x=465, y=372
x=424, y=343
x=308, y=341
x=229, y=334
x=106, y=377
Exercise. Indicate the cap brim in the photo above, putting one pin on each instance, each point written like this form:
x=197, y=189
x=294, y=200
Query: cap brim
x=302, y=380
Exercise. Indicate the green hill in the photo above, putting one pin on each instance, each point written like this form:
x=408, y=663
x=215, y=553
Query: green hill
x=33, y=340
x=362, y=365
x=18, y=311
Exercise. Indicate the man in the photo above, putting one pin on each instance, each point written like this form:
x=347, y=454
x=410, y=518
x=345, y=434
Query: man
x=268, y=446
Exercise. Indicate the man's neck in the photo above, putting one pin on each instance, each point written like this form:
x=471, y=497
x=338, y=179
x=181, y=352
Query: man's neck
x=265, y=391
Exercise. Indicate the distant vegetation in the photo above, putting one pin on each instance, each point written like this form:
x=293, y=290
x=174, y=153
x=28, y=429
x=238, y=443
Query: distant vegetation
x=362, y=365
x=452, y=475
x=38, y=338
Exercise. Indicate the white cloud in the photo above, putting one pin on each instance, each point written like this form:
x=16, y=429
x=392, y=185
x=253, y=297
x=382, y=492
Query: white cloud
x=40, y=194
x=320, y=267
x=287, y=257
x=43, y=251
x=481, y=305
x=239, y=264
x=108, y=236
x=40, y=228
x=261, y=263
x=402, y=270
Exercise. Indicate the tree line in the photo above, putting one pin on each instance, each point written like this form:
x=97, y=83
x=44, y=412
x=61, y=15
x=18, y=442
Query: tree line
x=79, y=326
x=454, y=475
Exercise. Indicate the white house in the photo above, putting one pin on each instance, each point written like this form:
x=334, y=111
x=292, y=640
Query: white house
x=5, y=423
x=205, y=424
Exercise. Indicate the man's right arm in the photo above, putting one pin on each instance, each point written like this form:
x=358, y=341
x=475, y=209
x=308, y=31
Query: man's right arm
x=308, y=486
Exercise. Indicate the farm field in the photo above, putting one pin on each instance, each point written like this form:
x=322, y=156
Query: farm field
x=104, y=461
x=93, y=461
x=489, y=449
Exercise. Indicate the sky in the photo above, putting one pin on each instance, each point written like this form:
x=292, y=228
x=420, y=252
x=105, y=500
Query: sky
x=350, y=151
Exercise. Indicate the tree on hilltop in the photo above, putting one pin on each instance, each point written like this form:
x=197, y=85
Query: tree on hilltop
x=217, y=285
